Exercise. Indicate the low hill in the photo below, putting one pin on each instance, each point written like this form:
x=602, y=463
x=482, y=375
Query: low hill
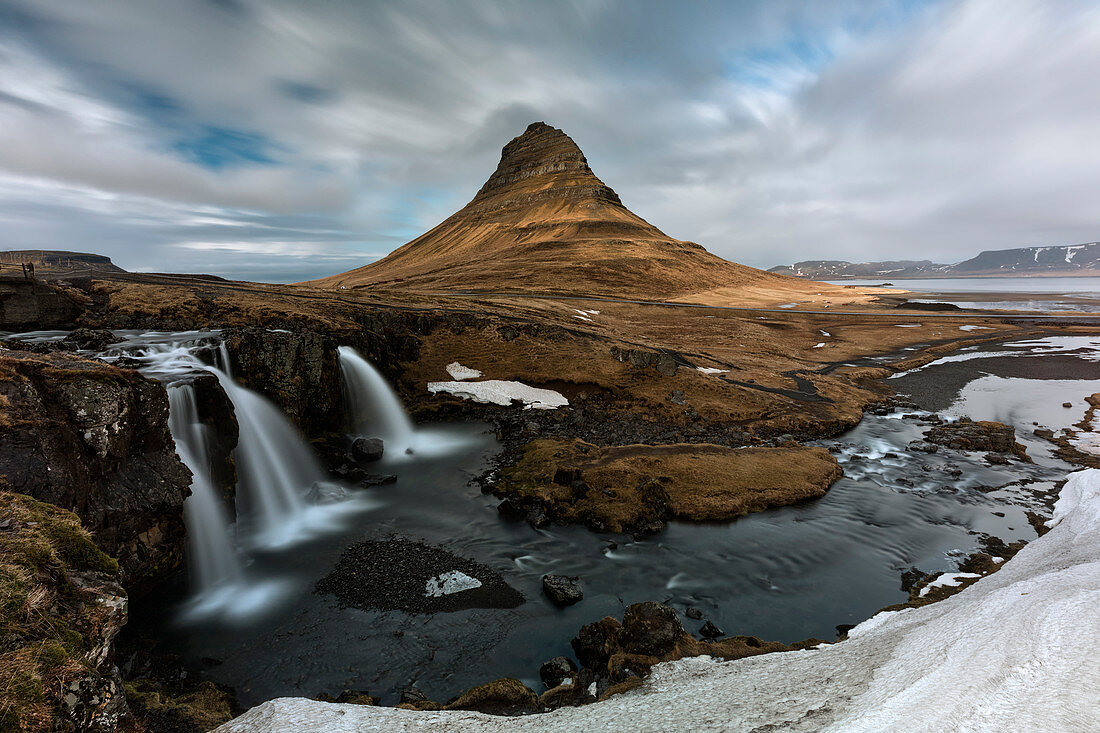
x=544, y=223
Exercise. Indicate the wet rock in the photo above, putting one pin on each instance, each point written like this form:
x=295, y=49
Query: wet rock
x=1067, y=404
x=505, y=696
x=694, y=613
x=562, y=590
x=349, y=697
x=596, y=642
x=922, y=446
x=367, y=450
x=996, y=459
x=556, y=671
x=843, y=629
x=982, y=435
x=93, y=339
x=650, y=628
x=298, y=370
x=711, y=631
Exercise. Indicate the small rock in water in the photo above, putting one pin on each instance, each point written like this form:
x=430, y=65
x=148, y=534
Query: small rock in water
x=556, y=671
x=1067, y=404
x=710, y=631
x=323, y=492
x=450, y=582
x=694, y=613
x=923, y=446
x=367, y=450
x=561, y=590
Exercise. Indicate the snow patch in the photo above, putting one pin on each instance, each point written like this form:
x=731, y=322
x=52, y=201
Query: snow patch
x=818, y=346
x=711, y=370
x=459, y=372
x=498, y=392
x=947, y=580
x=975, y=328
x=908, y=325
x=453, y=581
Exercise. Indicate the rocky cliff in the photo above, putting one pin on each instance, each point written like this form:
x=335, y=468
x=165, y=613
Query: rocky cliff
x=93, y=439
x=27, y=305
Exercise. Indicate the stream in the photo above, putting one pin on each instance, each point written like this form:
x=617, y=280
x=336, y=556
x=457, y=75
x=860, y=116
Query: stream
x=786, y=574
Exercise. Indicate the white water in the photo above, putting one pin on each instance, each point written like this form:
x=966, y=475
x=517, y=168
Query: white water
x=375, y=409
x=275, y=468
x=213, y=561
x=377, y=412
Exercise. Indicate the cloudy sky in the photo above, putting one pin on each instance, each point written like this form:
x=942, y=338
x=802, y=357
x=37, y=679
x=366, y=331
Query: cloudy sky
x=280, y=140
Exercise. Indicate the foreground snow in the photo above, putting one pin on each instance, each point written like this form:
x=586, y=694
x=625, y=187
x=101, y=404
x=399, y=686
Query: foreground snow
x=1013, y=652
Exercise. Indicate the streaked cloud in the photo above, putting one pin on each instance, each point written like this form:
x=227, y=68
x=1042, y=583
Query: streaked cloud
x=287, y=139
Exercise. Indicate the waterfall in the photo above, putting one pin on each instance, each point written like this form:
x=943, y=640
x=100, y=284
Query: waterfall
x=211, y=555
x=275, y=468
x=374, y=407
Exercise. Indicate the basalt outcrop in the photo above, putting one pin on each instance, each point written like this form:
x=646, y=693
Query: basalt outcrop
x=93, y=439
x=981, y=435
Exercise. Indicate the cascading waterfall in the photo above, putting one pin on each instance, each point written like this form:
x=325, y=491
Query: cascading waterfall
x=275, y=468
x=375, y=408
x=214, y=563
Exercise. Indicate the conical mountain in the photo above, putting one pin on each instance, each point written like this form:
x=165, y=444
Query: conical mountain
x=544, y=223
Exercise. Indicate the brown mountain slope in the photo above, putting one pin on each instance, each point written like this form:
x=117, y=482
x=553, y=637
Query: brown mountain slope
x=544, y=223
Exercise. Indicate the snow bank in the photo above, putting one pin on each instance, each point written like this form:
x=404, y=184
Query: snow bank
x=712, y=370
x=947, y=580
x=459, y=372
x=498, y=392
x=1012, y=652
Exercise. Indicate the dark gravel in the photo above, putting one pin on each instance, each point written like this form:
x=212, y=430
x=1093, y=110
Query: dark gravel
x=392, y=574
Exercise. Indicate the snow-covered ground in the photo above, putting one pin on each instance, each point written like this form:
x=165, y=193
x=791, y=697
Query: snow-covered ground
x=1012, y=652
x=498, y=392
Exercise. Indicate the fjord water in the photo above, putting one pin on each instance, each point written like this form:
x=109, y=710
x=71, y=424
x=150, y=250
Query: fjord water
x=786, y=574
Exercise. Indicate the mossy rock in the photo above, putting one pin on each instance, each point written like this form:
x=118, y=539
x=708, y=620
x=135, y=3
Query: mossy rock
x=506, y=696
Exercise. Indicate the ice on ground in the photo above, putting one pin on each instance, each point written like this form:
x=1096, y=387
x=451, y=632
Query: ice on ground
x=947, y=580
x=585, y=318
x=498, y=392
x=975, y=328
x=818, y=346
x=459, y=372
x=711, y=370
x=908, y=325
x=971, y=662
x=789, y=305
x=824, y=332
x=445, y=584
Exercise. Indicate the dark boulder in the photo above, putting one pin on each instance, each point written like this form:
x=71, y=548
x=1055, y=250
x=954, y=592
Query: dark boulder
x=367, y=450
x=711, y=631
x=562, y=590
x=556, y=671
x=651, y=629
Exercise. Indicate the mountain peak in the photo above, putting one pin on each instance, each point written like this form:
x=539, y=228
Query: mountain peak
x=543, y=161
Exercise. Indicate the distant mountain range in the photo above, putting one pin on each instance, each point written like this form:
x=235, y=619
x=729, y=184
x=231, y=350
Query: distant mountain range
x=1067, y=261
